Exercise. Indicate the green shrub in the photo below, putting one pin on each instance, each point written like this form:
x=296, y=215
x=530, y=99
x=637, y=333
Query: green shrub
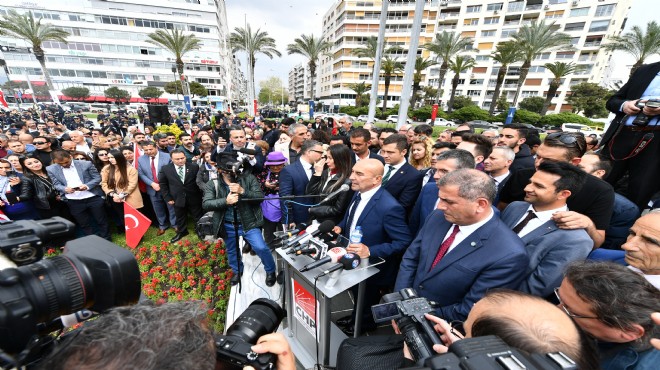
x=564, y=117
x=525, y=116
x=470, y=113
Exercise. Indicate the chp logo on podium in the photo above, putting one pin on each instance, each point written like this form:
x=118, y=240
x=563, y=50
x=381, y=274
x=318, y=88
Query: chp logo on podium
x=305, y=308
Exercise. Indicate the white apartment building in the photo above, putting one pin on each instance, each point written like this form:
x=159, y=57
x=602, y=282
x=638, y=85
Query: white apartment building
x=299, y=80
x=588, y=22
x=107, y=46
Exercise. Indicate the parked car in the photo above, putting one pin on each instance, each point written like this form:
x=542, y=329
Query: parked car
x=440, y=122
x=395, y=119
x=85, y=107
x=482, y=124
x=362, y=118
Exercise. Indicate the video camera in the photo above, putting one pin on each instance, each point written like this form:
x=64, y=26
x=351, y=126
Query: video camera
x=234, y=351
x=642, y=119
x=23, y=242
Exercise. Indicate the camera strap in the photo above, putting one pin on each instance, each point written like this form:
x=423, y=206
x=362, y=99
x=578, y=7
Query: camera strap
x=641, y=144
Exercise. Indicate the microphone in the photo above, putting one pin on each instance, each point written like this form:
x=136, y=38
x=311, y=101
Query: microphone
x=333, y=255
x=349, y=261
x=312, y=251
x=301, y=235
x=323, y=228
x=343, y=188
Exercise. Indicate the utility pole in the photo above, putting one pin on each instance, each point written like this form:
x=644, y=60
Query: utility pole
x=404, y=103
x=379, y=57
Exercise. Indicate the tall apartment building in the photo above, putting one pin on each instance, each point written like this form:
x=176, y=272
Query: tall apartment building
x=107, y=46
x=588, y=22
x=299, y=90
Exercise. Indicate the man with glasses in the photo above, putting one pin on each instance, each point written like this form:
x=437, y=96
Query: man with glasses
x=590, y=208
x=613, y=304
x=43, y=145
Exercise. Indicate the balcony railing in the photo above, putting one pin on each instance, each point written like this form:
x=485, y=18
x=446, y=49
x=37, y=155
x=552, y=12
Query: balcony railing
x=515, y=8
x=533, y=7
x=592, y=44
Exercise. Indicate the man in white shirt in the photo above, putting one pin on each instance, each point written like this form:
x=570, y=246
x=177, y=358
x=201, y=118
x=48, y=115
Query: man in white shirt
x=81, y=144
x=497, y=166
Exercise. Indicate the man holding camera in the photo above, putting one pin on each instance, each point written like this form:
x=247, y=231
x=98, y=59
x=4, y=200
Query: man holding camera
x=223, y=198
x=629, y=139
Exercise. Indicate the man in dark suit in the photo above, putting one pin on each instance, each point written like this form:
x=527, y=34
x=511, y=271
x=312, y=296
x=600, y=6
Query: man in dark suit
x=550, y=248
x=463, y=250
x=294, y=179
x=79, y=182
x=149, y=166
x=384, y=231
x=179, y=188
x=253, y=163
x=497, y=166
x=401, y=179
x=629, y=140
x=360, y=139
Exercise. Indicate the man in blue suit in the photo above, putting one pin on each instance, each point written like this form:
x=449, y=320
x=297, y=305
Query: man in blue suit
x=550, y=248
x=79, y=182
x=149, y=166
x=294, y=179
x=463, y=250
x=384, y=231
x=401, y=179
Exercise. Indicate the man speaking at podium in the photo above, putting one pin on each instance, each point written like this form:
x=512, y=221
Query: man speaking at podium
x=385, y=233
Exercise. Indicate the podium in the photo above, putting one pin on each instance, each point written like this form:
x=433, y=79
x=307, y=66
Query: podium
x=308, y=317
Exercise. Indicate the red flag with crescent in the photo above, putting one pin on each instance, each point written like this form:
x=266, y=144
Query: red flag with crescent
x=3, y=101
x=136, y=225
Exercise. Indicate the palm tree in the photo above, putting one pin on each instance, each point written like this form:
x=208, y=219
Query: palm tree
x=360, y=89
x=243, y=39
x=312, y=48
x=27, y=28
x=637, y=43
x=390, y=67
x=179, y=44
x=430, y=93
x=559, y=70
x=420, y=65
x=459, y=65
x=534, y=39
x=505, y=53
x=446, y=45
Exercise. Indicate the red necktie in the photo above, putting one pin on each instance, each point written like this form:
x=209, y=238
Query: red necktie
x=444, y=247
x=153, y=170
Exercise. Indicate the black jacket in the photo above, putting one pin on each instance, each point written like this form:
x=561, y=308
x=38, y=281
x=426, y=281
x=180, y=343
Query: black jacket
x=524, y=159
x=335, y=208
x=35, y=190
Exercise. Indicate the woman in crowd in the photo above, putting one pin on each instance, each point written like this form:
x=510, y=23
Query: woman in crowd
x=420, y=154
x=119, y=182
x=80, y=156
x=207, y=170
x=148, y=133
x=100, y=158
x=10, y=191
x=270, y=185
x=37, y=186
x=329, y=175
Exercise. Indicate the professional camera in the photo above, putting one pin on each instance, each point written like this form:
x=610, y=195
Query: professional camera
x=91, y=273
x=23, y=242
x=408, y=310
x=233, y=351
x=642, y=119
x=490, y=352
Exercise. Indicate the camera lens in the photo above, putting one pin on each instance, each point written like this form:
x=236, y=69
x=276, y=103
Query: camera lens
x=263, y=316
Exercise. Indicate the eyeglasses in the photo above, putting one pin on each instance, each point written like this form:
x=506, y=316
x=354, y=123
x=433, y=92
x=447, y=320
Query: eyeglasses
x=569, y=313
x=317, y=151
x=103, y=154
x=38, y=142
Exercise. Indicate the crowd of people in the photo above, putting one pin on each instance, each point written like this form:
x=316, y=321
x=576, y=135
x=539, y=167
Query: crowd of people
x=456, y=218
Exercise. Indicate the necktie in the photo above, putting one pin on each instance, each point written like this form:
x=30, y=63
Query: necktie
x=351, y=214
x=386, y=178
x=154, y=174
x=444, y=247
x=530, y=215
x=181, y=176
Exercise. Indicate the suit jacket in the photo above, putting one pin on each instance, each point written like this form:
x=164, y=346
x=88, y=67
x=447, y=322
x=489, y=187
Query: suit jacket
x=384, y=231
x=405, y=185
x=423, y=207
x=144, y=169
x=182, y=193
x=500, y=186
x=335, y=208
x=549, y=249
x=293, y=181
x=633, y=89
x=89, y=176
x=491, y=257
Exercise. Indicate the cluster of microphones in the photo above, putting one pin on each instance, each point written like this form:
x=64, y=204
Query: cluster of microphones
x=307, y=243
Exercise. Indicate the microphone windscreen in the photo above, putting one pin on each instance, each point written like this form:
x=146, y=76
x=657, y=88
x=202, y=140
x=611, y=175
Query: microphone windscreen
x=326, y=226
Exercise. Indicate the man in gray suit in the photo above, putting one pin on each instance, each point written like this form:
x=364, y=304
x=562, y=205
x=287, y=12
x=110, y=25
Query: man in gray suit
x=79, y=182
x=149, y=166
x=549, y=248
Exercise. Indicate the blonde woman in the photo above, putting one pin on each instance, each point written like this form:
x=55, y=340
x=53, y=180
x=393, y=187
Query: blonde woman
x=420, y=153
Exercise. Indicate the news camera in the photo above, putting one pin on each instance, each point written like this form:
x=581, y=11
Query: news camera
x=642, y=119
x=23, y=242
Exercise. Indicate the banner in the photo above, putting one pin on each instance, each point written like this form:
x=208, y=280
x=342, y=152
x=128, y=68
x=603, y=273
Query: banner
x=509, y=116
x=136, y=225
x=3, y=101
x=434, y=113
x=305, y=308
x=187, y=103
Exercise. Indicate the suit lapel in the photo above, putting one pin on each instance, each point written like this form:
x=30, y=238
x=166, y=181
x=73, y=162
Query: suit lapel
x=79, y=169
x=548, y=227
x=370, y=204
x=432, y=251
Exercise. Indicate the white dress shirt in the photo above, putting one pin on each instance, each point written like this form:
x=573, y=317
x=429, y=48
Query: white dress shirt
x=465, y=231
x=73, y=181
x=541, y=218
x=308, y=167
x=364, y=199
x=499, y=179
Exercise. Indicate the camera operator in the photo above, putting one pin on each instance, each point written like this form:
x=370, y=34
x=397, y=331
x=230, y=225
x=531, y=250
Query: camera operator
x=146, y=336
x=220, y=196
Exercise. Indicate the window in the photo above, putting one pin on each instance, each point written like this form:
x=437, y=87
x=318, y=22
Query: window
x=554, y=14
x=485, y=46
x=527, y=93
x=580, y=12
x=508, y=32
x=575, y=41
x=471, y=22
x=480, y=58
x=579, y=26
x=491, y=20
x=542, y=56
x=539, y=69
x=605, y=10
x=474, y=93
x=599, y=26
x=488, y=33
x=495, y=6
x=478, y=81
x=473, y=9
x=565, y=54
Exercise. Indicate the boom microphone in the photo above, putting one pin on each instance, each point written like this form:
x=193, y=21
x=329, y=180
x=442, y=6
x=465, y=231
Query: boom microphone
x=333, y=256
x=349, y=261
x=343, y=188
x=323, y=228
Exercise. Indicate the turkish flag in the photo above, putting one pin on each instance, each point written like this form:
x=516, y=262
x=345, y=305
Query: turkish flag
x=2, y=100
x=136, y=225
x=136, y=155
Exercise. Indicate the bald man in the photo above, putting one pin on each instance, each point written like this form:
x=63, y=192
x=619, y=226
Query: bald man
x=385, y=233
x=69, y=146
x=642, y=251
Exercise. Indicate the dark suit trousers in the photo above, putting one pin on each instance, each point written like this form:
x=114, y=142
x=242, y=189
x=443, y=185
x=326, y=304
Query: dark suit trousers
x=83, y=210
x=195, y=209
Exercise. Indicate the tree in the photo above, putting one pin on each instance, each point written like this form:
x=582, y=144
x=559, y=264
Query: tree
x=24, y=26
x=360, y=90
x=39, y=90
x=637, y=43
x=589, y=98
x=74, y=92
x=563, y=117
x=503, y=104
x=532, y=104
x=505, y=53
x=559, y=70
x=177, y=43
x=370, y=47
x=117, y=94
x=173, y=87
x=150, y=93
x=390, y=67
x=534, y=39
x=459, y=65
x=197, y=89
x=243, y=39
x=525, y=116
x=429, y=93
x=461, y=101
x=446, y=45
x=272, y=90
x=421, y=64
x=311, y=48
x=470, y=113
